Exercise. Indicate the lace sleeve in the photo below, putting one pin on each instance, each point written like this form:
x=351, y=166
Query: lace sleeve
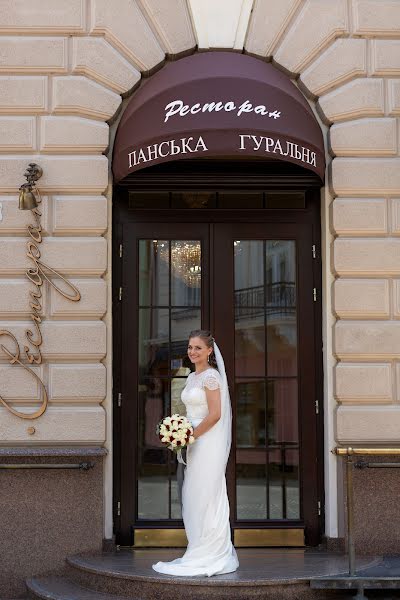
x=212, y=381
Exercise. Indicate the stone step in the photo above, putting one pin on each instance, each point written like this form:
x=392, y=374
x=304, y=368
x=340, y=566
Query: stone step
x=127, y=574
x=283, y=574
x=58, y=587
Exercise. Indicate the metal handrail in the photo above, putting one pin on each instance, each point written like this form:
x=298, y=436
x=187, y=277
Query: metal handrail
x=350, y=453
x=371, y=451
x=84, y=466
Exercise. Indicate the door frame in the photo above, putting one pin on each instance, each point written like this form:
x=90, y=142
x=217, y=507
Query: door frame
x=220, y=176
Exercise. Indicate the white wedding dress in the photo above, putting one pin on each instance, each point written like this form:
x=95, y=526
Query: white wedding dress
x=205, y=505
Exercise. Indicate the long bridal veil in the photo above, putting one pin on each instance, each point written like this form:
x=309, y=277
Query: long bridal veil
x=224, y=425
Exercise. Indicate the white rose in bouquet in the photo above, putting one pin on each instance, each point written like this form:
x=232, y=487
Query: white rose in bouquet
x=176, y=432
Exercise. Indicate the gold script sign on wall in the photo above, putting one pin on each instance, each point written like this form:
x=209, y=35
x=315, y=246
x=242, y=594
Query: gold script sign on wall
x=30, y=199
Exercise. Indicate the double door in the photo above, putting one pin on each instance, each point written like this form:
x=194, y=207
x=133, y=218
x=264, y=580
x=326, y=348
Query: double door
x=254, y=285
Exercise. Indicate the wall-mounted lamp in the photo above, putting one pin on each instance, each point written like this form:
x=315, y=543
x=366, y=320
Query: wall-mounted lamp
x=27, y=198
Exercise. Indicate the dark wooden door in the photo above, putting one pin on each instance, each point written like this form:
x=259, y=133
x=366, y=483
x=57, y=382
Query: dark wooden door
x=263, y=317
x=256, y=286
x=158, y=307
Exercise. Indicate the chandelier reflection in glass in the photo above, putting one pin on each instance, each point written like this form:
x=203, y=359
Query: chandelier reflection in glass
x=185, y=259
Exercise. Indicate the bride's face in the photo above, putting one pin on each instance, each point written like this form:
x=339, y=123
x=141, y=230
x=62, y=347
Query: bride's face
x=198, y=351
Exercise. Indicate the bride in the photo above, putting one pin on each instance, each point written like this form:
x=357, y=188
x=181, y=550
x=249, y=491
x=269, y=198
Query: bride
x=205, y=505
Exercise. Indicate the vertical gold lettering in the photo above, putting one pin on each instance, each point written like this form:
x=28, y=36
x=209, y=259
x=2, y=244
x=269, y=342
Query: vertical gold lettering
x=14, y=359
x=35, y=275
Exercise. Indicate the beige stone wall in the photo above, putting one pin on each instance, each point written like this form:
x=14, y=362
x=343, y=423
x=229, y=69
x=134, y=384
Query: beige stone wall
x=63, y=69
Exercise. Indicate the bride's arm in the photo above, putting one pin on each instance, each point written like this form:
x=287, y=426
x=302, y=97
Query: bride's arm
x=214, y=412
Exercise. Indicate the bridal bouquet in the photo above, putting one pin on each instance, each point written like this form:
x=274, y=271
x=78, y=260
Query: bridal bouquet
x=175, y=432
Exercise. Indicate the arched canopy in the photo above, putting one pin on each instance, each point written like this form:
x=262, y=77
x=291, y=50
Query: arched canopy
x=217, y=105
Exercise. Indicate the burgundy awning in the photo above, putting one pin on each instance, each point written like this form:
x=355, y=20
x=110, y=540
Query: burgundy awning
x=217, y=104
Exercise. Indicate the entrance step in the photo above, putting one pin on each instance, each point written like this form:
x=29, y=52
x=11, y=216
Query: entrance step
x=56, y=587
x=384, y=576
x=264, y=573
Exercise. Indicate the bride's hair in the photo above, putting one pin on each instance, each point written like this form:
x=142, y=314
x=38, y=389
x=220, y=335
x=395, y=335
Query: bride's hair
x=205, y=335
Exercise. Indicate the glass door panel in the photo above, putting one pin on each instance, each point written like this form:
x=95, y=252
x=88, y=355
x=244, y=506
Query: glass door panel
x=169, y=307
x=267, y=415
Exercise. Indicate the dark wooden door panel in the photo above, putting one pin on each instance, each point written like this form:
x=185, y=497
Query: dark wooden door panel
x=222, y=303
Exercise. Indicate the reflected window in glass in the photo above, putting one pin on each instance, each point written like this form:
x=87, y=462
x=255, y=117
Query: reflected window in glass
x=281, y=309
x=250, y=413
x=153, y=272
x=251, y=482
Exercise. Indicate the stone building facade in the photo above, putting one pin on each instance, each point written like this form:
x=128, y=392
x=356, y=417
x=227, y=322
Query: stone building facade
x=67, y=71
